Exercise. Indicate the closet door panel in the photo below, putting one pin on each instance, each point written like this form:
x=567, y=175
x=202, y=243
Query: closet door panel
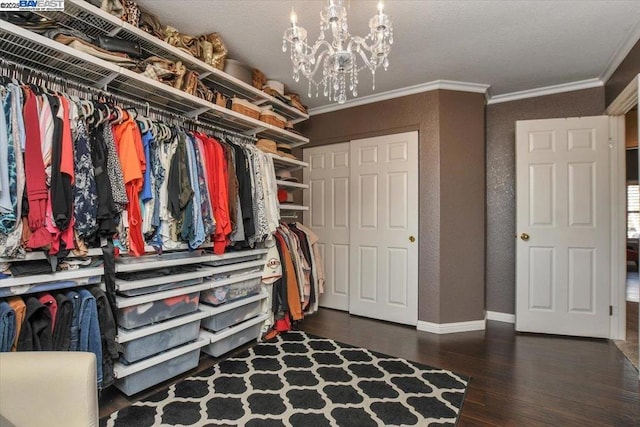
x=328, y=199
x=384, y=228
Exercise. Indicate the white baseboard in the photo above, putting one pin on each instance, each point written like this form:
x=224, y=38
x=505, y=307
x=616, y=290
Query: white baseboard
x=451, y=328
x=501, y=317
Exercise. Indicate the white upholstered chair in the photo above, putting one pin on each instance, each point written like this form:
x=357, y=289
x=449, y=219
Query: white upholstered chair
x=48, y=389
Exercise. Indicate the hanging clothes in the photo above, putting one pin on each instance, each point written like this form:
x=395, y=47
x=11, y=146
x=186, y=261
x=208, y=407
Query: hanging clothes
x=132, y=161
x=20, y=310
x=85, y=193
x=7, y=326
x=64, y=317
x=37, y=191
x=36, y=328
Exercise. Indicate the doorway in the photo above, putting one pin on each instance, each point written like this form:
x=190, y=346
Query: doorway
x=623, y=105
x=363, y=204
x=632, y=283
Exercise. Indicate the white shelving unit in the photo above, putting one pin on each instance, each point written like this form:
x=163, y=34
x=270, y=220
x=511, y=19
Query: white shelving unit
x=293, y=185
x=286, y=163
x=171, y=353
x=292, y=207
x=40, y=53
x=160, y=330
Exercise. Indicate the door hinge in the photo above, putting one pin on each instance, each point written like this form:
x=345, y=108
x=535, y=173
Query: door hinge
x=611, y=143
x=610, y=310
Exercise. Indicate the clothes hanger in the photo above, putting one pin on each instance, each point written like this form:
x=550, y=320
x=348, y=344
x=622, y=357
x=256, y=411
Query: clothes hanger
x=132, y=112
x=143, y=124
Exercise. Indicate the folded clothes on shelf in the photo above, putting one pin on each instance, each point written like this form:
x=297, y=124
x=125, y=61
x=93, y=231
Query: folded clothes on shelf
x=77, y=43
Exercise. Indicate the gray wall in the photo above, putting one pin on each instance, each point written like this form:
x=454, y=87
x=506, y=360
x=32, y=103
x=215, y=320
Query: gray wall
x=451, y=181
x=627, y=70
x=450, y=269
x=501, y=211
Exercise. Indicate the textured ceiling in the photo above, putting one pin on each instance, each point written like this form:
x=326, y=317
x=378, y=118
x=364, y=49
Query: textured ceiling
x=509, y=45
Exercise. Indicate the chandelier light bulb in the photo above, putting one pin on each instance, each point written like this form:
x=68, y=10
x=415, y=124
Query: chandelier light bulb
x=342, y=57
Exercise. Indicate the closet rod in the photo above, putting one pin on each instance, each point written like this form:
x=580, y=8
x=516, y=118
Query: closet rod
x=30, y=75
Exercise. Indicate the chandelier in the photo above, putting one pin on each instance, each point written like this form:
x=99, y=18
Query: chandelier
x=343, y=57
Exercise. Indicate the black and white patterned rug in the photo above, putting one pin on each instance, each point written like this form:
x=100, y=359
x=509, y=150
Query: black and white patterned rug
x=302, y=380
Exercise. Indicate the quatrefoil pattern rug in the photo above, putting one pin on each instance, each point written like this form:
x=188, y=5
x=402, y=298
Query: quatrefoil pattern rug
x=306, y=381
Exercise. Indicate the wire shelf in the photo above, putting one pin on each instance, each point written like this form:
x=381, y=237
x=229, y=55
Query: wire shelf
x=34, y=51
x=91, y=20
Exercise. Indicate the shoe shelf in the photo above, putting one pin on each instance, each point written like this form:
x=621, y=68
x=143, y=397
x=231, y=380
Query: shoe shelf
x=34, y=51
x=83, y=16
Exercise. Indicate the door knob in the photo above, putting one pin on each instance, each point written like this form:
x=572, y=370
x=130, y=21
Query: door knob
x=524, y=236
x=412, y=239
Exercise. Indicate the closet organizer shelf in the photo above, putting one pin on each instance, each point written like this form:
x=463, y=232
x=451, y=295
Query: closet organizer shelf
x=291, y=207
x=215, y=310
x=281, y=162
x=120, y=370
x=125, y=335
x=33, y=256
x=292, y=184
x=122, y=301
x=233, y=337
x=161, y=263
x=35, y=51
x=83, y=16
x=92, y=276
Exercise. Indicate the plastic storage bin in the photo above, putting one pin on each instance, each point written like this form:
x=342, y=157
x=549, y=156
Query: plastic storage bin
x=223, y=320
x=225, y=341
x=156, y=311
x=161, y=287
x=132, y=380
x=147, y=346
x=234, y=291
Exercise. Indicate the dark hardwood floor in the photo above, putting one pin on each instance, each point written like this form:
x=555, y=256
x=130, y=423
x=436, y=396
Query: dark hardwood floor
x=516, y=379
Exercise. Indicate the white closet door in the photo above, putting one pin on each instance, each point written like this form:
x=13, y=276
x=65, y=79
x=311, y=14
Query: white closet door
x=563, y=225
x=328, y=216
x=384, y=228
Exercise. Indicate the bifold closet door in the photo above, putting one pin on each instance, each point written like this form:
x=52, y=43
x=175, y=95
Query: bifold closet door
x=328, y=216
x=383, y=229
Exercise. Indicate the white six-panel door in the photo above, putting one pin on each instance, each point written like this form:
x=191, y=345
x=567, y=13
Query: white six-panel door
x=328, y=217
x=384, y=228
x=563, y=226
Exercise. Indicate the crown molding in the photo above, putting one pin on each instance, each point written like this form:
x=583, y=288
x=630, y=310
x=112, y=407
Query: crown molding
x=626, y=100
x=622, y=52
x=396, y=93
x=546, y=90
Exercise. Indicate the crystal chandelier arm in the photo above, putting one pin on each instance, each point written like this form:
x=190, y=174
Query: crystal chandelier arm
x=362, y=48
x=318, y=61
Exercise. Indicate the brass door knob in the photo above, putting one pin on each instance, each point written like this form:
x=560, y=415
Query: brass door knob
x=524, y=236
x=412, y=239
